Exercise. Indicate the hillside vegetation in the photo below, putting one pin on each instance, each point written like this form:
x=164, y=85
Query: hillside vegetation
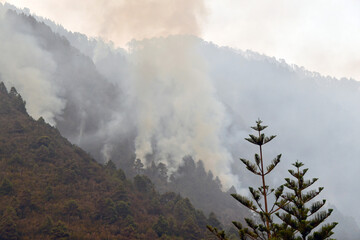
x=52, y=189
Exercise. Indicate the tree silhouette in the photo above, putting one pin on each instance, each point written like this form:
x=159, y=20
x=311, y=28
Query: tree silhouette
x=297, y=217
x=259, y=203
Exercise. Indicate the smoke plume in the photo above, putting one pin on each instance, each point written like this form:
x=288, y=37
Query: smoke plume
x=26, y=66
x=177, y=109
x=120, y=21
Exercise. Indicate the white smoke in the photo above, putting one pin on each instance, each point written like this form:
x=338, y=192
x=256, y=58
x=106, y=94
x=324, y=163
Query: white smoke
x=177, y=107
x=24, y=65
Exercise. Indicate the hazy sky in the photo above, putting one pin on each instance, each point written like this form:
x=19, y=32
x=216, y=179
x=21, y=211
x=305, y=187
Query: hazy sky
x=322, y=35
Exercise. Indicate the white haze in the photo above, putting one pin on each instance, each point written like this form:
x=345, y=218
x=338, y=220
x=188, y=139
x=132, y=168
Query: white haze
x=29, y=67
x=122, y=20
x=174, y=96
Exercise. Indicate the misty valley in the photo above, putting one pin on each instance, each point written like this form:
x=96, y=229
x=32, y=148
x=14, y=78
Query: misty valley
x=170, y=138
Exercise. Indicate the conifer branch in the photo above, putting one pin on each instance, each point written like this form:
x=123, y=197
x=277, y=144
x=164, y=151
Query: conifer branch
x=219, y=234
x=250, y=166
x=245, y=201
x=273, y=164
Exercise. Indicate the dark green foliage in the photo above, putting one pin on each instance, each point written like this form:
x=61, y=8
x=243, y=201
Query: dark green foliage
x=213, y=221
x=17, y=101
x=15, y=160
x=161, y=227
x=120, y=174
x=48, y=195
x=162, y=170
x=142, y=183
x=107, y=210
x=59, y=232
x=120, y=193
x=18, y=128
x=220, y=234
x=259, y=204
x=123, y=209
x=300, y=218
x=6, y=187
x=8, y=227
x=191, y=180
x=154, y=207
x=3, y=88
x=190, y=230
x=183, y=209
x=110, y=166
x=25, y=203
x=138, y=167
x=71, y=209
x=43, y=141
x=47, y=226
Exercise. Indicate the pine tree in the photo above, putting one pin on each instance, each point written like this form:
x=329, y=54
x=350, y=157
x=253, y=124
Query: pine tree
x=298, y=218
x=8, y=227
x=6, y=187
x=260, y=203
x=138, y=167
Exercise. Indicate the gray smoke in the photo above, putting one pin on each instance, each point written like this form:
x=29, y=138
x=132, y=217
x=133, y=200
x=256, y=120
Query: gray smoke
x=120, y=21
x=26, y=66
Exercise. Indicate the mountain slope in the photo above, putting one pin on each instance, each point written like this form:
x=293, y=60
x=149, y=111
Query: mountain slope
x=51, y=189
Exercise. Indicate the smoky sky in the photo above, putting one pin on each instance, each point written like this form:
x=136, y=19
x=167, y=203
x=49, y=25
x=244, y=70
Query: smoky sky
x=320, y=35
x=168, y=97
x=121, y=21
x=323, y=36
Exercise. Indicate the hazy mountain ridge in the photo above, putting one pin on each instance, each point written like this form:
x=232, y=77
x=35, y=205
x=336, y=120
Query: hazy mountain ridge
x=52, y=189
x=78, y=118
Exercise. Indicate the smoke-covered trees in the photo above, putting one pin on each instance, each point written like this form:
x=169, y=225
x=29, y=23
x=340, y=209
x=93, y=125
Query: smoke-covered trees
x=298, y=220
x=73, y=197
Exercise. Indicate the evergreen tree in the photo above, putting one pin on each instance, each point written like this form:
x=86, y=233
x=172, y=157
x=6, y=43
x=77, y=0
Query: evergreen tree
x=71, y=209
x=6, y=187
x=8, y=227
x=110, y=166
x=260, y=203
x=47, y=226
x=18, y=102
x=59, y=232
x=161, y=227
x=48, y=195
x=162, y=171
x=25, y=203
x=138, y=167
x=3, y=88
x=298, y=218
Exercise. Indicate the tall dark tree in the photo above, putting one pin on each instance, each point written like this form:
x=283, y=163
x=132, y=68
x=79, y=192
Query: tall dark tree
x=6, y=187
x=260, y=202
x=8, y=227
x=138, y=167
x=299, y=219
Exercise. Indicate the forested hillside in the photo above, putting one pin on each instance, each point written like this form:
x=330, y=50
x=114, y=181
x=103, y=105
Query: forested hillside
x=52, y=189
